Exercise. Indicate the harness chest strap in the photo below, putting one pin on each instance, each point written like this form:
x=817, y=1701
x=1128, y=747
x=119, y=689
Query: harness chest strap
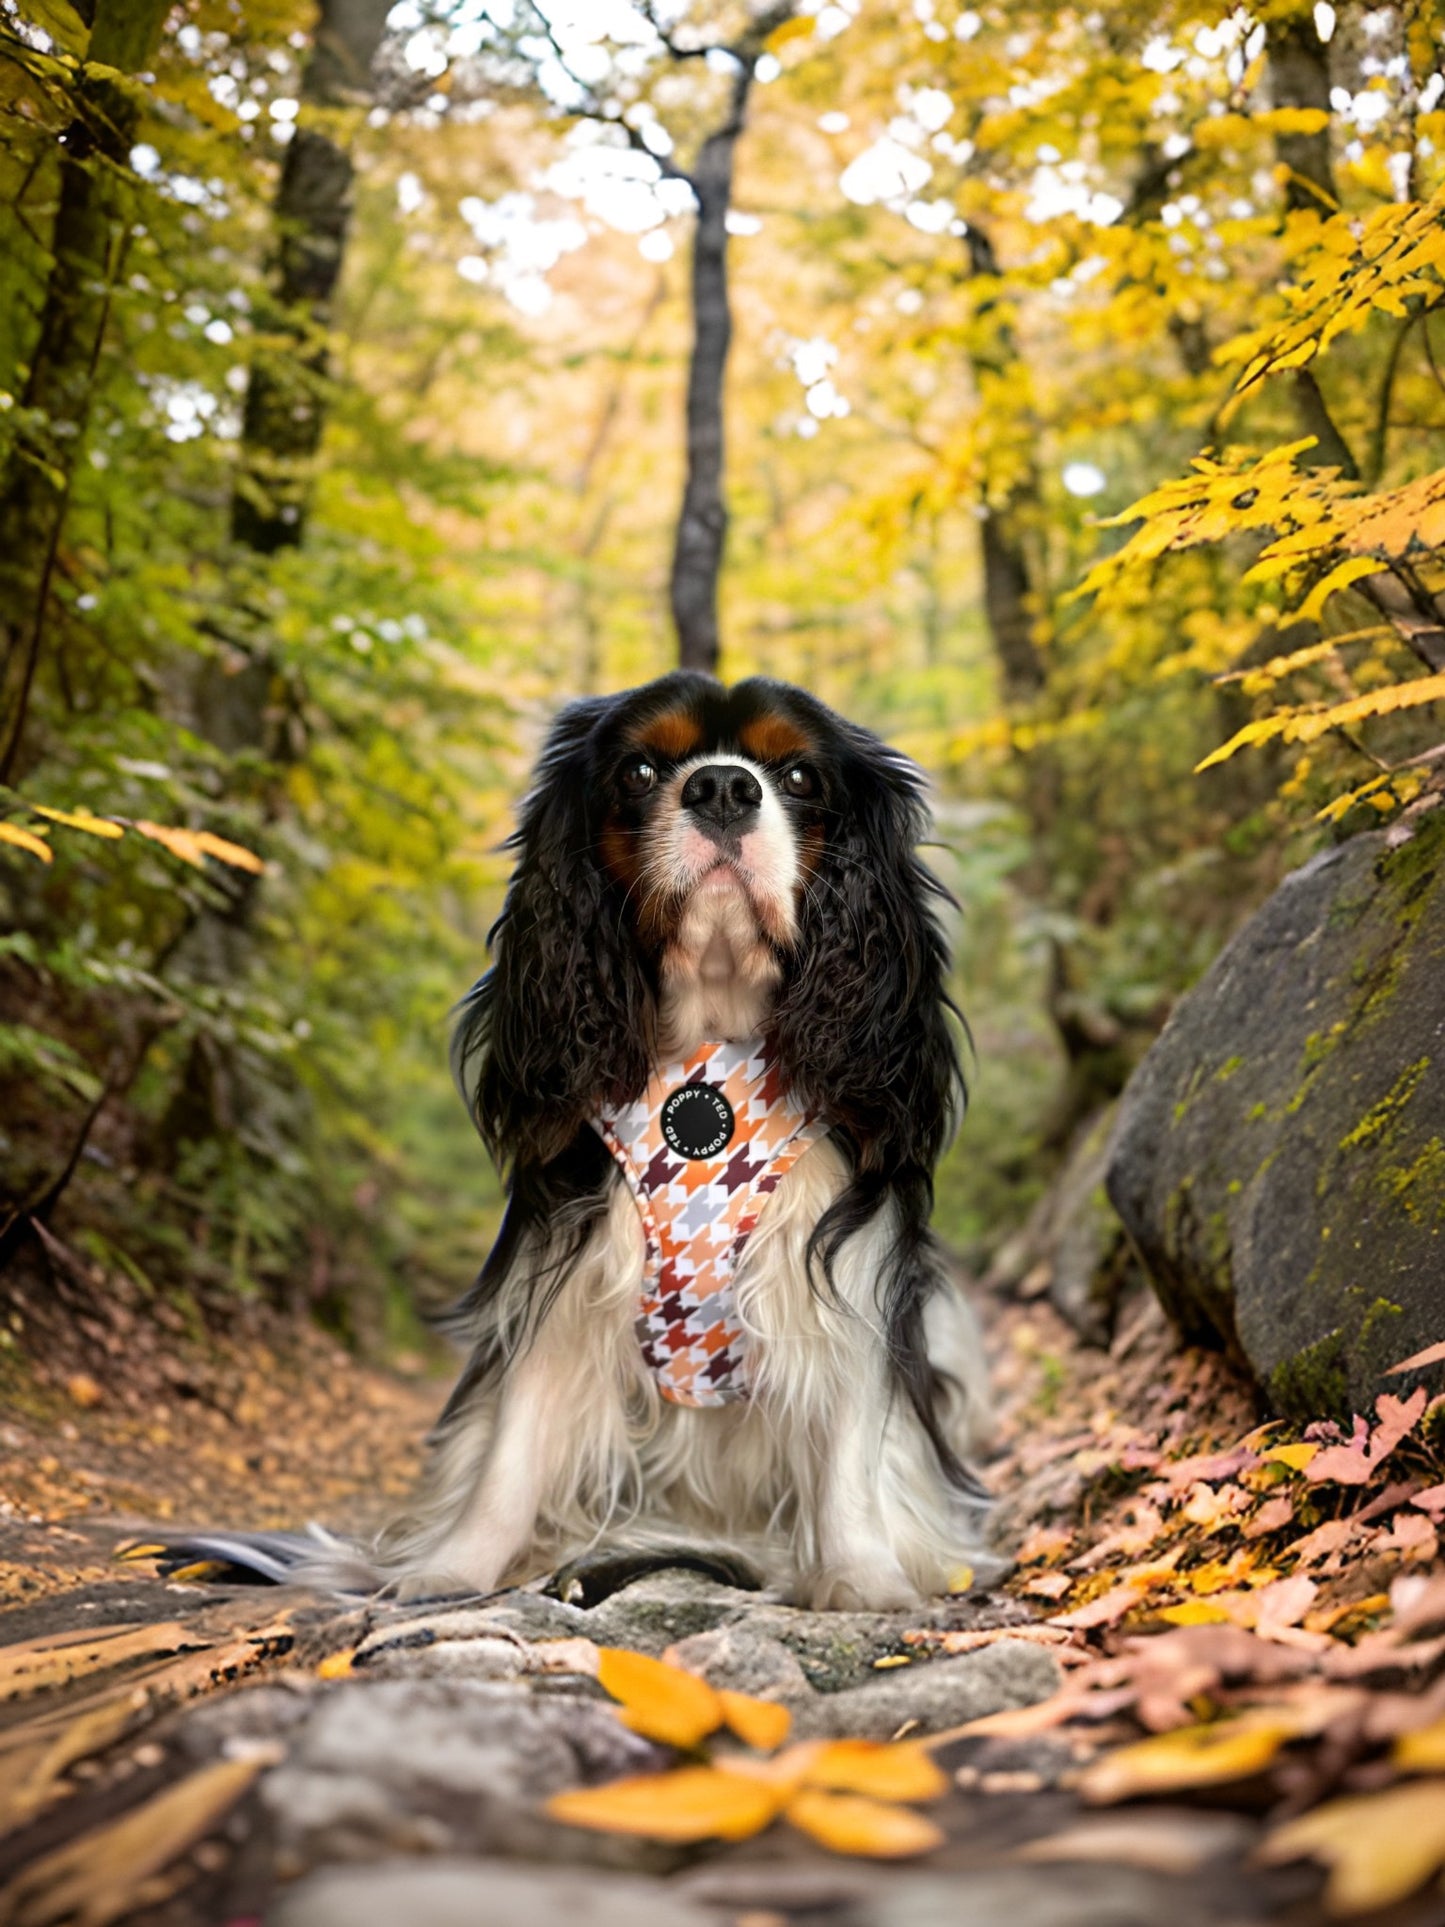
x=702, y=1150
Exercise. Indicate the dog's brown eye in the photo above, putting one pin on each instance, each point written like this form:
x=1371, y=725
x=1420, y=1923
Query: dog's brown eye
x=638, y=777
x=799, y=781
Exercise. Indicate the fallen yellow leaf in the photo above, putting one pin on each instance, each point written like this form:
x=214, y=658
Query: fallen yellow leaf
x=1194, y=1612
x=1379, y=1847
x=660, y=1702
x=887, y=1772
x=1422, y=1751
x=1192, y=1756
x=848, y=1823
x=690, y=1803
x=1296, y=1457
x=55, y=1659
x=336, y=1666
x=761, y=1723
x=30, y=1773
x=100, y=1876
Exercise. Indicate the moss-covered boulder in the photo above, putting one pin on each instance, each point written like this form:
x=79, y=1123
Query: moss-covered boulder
x=1279, y=1157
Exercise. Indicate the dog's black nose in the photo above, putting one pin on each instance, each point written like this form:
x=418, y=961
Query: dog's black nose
x=721, y=794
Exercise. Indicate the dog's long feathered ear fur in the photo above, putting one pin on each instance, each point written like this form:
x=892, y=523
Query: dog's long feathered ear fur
x=863, y=1022
x=564, y=1018
x=867, y=1033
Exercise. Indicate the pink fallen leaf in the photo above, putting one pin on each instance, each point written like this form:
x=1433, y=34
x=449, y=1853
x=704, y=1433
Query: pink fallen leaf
x=1208, y=1508
x=1413, y=1536
x=1398, y=1418
x=1324, y=1542
x=1431, y=1500
x=1417, y=1600
x=1143, y=1525
x=1073, y=1702
x=970, y=1642
x=1053, y=1585
x=1210, y=1466
x=1432, y=1355
x=1343, y=1464
x=1355, y=1462
x=1399, y=1492
x=1273, y=1516
x=1103, y=1611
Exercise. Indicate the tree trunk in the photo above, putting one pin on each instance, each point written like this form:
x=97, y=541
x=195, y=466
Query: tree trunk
x=702, y=523
x=92, y=223
x=1008, y=588
x=286, y=394
x=1299, y=73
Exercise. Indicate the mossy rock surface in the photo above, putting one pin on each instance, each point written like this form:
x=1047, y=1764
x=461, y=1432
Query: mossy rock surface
x=1279, y=1156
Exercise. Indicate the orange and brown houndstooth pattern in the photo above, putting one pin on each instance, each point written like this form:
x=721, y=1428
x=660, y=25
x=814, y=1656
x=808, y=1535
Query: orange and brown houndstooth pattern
x=702, y=1150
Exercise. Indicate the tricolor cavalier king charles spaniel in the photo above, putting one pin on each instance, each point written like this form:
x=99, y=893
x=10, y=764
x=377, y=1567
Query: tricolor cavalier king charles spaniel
x=717, y=1062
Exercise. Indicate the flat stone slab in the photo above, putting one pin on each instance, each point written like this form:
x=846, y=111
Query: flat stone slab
x=454, y=1726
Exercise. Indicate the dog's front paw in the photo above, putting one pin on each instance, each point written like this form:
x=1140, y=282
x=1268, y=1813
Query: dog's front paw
x=880, y=1588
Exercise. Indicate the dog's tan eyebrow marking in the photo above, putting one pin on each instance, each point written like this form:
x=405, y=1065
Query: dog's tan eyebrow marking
x=673, y=733
x=773, y=739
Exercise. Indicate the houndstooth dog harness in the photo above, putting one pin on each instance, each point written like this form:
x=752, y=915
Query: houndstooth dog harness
x=702, y=1150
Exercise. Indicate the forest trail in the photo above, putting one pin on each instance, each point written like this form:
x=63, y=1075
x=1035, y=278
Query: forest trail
x=269, y=1426
x=184, y=1753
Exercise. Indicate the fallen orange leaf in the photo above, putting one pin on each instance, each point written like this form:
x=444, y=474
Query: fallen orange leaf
x=785, y=1771
x=761, y=1723
x=901, y=1771
x=690, y=1803
x=848, y=1823
x=660, y=1702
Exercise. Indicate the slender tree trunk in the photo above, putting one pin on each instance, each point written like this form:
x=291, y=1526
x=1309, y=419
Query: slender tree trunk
x=1008, y=586
x=702, y=523
x=238, y=690
x=1299, y=73
x=286, y=395
x=92, y=224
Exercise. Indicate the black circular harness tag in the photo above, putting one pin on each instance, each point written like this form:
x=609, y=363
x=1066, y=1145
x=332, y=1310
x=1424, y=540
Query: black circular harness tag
x=697, y=1120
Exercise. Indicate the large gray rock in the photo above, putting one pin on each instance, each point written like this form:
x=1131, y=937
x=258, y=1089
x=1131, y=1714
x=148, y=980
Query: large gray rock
x=444, y=1766
x=1279, y=1158
x=480, y=1893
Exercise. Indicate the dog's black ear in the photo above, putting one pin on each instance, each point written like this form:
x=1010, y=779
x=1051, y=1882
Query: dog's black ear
x=865, y=1028
x=563, y=1019
x=867, y=1033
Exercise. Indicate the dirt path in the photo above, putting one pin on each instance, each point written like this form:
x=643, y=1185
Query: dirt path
x=270, y=1426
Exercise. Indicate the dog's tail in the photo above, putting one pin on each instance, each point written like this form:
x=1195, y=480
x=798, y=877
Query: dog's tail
x=315, y=1558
